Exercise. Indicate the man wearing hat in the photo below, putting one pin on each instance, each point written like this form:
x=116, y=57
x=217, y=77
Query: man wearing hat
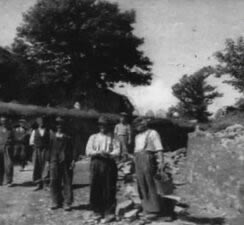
x=21, y=143
x=148, y=160
x=6, y=152
x=40, y=140
x=103, y=148
x=123, y=132
x=62, y=161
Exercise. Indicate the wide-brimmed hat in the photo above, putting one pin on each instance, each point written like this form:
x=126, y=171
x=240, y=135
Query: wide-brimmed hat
x=104, y=120
x=22, y=120
x=140, y=121
x=124, y=114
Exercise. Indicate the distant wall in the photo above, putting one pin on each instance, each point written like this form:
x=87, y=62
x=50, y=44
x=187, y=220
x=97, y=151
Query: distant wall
x=215, y=168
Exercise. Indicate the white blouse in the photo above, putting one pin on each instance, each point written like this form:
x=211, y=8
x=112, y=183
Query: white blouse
x=99, y=143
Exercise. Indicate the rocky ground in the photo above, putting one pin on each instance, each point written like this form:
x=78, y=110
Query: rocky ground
x=20, y=205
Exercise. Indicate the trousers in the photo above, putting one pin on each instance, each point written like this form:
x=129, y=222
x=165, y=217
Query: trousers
x=6, y=165
x=61, y=183
x=41, y=166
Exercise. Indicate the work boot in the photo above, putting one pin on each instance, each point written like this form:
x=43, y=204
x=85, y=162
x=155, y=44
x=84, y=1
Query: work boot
x=10, y=185
x=67, y=208
x=39, y=187
x=54, y=206
x=108, y=219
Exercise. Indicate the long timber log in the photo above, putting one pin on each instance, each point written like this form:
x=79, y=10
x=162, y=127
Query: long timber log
x=16, y=109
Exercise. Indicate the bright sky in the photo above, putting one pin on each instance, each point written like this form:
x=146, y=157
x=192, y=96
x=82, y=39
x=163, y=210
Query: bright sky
x=180, y=37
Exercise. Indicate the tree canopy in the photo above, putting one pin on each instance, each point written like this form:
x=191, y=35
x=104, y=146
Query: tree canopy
x=81, y=44
x=195, y=95
x=231, y=62
x=12, y=76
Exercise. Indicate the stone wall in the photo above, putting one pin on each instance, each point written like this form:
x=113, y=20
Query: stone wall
x=215, y=168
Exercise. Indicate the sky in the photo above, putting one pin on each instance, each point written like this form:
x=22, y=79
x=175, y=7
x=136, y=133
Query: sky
x=180, y=36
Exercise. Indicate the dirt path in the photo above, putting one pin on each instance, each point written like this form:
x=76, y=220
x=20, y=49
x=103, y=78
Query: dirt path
x=20, y=205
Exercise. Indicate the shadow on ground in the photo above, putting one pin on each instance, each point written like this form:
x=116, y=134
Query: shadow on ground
x=81, y=207
x=204, y=220
x=24, y=184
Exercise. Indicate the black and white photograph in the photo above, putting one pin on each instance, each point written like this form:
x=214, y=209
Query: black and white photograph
x=121, y=112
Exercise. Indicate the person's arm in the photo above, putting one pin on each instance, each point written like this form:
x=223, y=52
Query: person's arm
x=116, y=130
x=71, y=146
x=129, y=134
x=32, y=136
x=158, y=147
x=90, y=146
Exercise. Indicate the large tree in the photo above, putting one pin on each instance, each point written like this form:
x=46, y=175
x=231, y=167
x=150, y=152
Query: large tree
x=12, y=76
x=80, y=45
x=195, y=95
x=231, y=62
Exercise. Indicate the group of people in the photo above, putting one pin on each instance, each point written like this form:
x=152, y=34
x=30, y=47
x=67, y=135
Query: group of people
x=54, y=160
x=13, y=148
x=106, y=146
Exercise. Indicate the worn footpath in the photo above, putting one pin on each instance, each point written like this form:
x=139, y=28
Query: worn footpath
x=20, y=205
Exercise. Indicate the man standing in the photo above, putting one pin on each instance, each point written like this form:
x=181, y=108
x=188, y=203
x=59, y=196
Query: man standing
x=123, y=132
x=21, y=144
x=6, y=152
x=148, y=160
x=103, y=148
x=62, y=159
x=40, y=140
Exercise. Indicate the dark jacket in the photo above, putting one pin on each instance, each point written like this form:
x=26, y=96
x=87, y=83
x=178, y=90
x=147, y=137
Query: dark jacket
x=61, y=149
x=42, y=141
x=6, y=137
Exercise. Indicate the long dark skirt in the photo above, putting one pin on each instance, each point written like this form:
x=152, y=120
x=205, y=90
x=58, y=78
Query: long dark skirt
x=103, y=185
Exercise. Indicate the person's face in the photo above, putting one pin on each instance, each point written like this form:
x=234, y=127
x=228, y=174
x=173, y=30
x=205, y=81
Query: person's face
x=4, y=123
x=122, y=119
x=40, y=123
x=21, y=124
x=141, y=127
x=59, y=129
x=103, y=128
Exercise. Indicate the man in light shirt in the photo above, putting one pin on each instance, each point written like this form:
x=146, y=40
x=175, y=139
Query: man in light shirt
x=40, y=140
x=148, y=160
x=103, y=148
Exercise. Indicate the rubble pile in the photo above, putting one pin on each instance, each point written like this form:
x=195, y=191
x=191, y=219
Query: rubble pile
x=215, y=166
x=129, y=205
x=176, y=162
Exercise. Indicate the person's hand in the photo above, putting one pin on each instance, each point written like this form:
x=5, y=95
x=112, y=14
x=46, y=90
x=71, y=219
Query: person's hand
x=105, y=154
x=72, y=165
x=161, y=166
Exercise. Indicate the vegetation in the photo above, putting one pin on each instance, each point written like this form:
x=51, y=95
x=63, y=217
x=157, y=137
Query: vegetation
x=71, y=47
x=231, y=62
x=194, y=95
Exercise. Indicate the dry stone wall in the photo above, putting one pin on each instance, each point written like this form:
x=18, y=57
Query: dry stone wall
x=215, y=168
